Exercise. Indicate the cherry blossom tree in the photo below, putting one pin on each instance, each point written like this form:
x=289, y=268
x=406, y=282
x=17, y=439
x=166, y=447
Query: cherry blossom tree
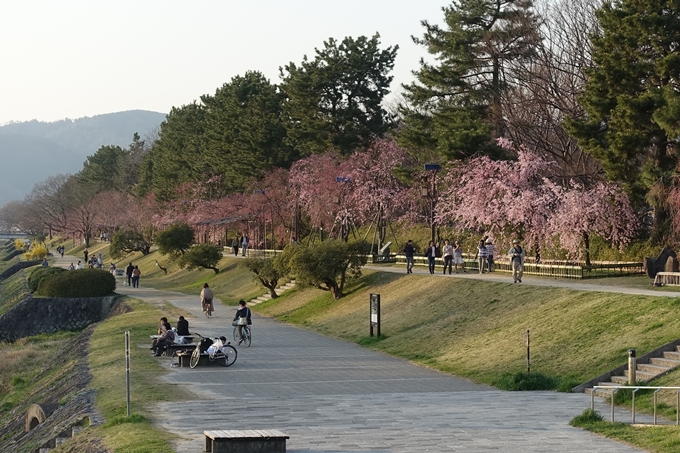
x=518, y=198
x=603, y=209
x=313, y=181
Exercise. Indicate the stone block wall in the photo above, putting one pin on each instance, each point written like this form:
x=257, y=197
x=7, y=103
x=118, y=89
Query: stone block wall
x=17, y=267
x=34, y=316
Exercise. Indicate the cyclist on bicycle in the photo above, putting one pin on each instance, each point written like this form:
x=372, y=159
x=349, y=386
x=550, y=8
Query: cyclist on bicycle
x=207, y=299
x=242, y=318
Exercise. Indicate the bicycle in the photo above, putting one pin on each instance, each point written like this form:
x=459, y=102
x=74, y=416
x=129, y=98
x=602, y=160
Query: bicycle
x=226, y=356
x=207, y=308
x=247, y=334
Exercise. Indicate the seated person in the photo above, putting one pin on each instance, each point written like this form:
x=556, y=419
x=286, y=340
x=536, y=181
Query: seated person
x=183, y=327
x=112, y=268
x=164, y=326
x=163, y=342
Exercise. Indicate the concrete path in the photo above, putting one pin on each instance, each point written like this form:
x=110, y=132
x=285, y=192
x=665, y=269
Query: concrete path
x=333, y=396
x=504, y=277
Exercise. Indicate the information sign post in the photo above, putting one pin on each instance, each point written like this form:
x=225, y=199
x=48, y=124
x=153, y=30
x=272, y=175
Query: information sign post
x=375, y=314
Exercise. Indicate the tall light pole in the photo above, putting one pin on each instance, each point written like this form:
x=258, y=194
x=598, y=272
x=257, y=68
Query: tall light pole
x=344, y=227
x=431, y=193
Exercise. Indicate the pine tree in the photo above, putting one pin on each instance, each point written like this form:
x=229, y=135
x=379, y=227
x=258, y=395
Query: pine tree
x=631, y=99
x=334, y=101
x=455, y=104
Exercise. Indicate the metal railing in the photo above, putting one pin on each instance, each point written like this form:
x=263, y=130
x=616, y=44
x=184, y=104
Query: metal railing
x=635, y=388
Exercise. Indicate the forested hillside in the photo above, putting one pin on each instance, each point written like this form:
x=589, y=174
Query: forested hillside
x=32, y=151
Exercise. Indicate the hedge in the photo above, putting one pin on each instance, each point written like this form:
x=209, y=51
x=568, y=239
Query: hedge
x=39, y=274
x=78, y=283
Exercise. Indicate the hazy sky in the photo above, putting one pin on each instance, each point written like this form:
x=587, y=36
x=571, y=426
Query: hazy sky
x=74, y=58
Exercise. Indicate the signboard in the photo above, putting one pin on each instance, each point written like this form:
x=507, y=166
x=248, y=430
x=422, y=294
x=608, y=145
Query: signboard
x=375, y=313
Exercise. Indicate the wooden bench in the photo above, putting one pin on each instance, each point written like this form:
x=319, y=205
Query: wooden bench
x=245, y=441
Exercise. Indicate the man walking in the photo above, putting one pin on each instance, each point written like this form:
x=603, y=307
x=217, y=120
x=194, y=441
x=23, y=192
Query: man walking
x=516, y=254
x=128, y=273
x=408, y=252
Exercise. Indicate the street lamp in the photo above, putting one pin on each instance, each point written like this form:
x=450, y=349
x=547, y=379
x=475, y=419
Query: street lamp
x=344, y=227
x=431, y=192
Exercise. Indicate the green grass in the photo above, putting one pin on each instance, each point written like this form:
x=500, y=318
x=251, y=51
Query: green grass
x=12, y=291
x=107, y=363
x=476, y=329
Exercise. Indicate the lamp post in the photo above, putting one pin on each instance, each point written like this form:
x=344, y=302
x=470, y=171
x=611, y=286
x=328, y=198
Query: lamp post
x=344, y=227
x=264, y=222
x=431, y=192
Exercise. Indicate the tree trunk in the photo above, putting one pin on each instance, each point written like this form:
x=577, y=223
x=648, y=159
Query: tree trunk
x=217, y=271
x=586, y=241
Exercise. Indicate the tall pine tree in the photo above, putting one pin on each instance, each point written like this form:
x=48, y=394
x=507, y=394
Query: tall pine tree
x=334, y=101
x=454, y=106
x=631, y=100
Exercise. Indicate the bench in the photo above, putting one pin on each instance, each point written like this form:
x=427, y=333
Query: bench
x=185, y=357
x=245, y=441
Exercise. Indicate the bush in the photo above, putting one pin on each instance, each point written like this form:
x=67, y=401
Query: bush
x=39, y=274
x=525, y=381
x=78, y=283
x=588, y=417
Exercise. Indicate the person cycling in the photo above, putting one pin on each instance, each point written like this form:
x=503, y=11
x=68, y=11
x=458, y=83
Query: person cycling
x=207, y=300
x=242, y=318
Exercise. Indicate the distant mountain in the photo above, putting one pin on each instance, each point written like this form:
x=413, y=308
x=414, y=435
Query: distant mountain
x=32, y=151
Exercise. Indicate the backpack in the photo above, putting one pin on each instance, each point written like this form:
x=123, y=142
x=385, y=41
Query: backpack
x=205, y=344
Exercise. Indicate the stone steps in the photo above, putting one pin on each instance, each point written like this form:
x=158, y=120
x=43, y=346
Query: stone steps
x=657, y=366
x=265, y=297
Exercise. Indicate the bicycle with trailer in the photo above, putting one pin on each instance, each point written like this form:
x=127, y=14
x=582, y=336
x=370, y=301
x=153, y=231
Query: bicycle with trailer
x=219, y=350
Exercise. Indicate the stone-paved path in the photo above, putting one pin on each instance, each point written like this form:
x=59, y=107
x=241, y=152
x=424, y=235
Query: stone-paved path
x=333, y=396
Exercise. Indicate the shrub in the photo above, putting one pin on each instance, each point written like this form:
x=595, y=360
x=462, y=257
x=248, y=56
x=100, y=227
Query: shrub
x=175, y=240
x=39, y=274
x=588, y=417
x=79, y=283
x=37, y=251
x=525, y=381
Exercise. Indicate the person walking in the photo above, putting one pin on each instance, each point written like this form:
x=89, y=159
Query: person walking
x=447, y=251
x=244, y=244
x=85, y=254
x=234, y=245
x=481, y=255
x=431, y=254
x=489, y=255
x=458, y=257
x=516, y=254
x=128, y=273
x=136, y=273
x=409, y=250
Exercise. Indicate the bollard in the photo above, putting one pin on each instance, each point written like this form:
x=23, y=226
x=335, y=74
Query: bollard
x=632, y=366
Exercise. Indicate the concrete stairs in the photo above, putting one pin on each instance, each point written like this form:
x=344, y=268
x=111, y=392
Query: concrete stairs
x=265, y=297
x=648, y=367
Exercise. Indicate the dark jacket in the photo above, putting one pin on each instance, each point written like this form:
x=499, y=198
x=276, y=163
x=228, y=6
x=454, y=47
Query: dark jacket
x=243, y=313
x=183, y=327
x=409, y=250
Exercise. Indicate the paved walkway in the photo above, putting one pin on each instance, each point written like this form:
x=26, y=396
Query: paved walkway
x=504, y=277
x=333, y=396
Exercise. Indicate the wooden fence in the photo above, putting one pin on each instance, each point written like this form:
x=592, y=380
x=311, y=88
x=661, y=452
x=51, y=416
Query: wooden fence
x=577, y=271
x=553, y=268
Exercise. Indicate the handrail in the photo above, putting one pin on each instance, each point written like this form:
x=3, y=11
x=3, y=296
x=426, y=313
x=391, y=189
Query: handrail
x=657, y=389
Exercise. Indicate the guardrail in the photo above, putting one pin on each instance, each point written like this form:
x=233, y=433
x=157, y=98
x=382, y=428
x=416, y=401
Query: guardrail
x=635, y=388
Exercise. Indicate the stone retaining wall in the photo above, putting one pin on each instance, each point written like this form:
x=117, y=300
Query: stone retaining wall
x=34, y=316
x=17, y=267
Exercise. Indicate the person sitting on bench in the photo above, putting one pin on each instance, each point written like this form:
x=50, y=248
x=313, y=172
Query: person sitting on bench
x=183, y=327
x=163, y=342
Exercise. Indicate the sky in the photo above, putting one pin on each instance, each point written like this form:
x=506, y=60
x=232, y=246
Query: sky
x=75, y=58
